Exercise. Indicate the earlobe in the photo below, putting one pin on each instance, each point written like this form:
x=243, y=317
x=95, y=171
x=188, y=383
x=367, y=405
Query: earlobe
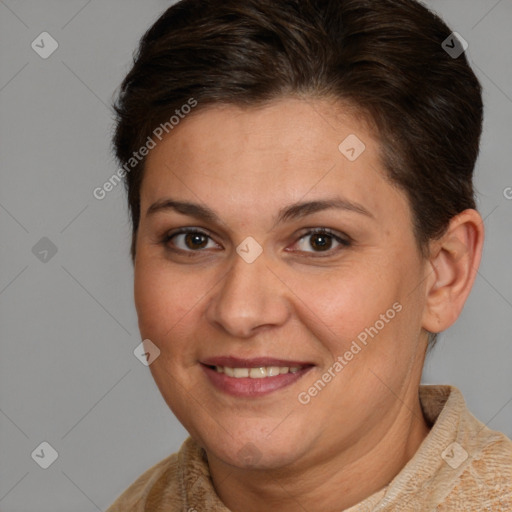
x=454, y=262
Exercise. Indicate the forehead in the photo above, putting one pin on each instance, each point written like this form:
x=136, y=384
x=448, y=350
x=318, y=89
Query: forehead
x=290, y=124
x=268, y=155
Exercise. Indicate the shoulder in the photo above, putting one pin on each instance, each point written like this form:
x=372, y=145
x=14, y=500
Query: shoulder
x=161, y=479
x=462, y=465
x=476, y=468
x=486, y=479
x=172, y=485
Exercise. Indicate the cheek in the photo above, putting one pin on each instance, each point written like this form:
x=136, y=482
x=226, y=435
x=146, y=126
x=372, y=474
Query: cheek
x=371, y=319
x=164, y=302
x=348, y=300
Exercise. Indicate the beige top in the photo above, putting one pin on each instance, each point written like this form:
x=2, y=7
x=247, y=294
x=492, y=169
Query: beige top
x=460, y=466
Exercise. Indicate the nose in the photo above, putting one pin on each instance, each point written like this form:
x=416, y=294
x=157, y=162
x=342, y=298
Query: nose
x=249, y=299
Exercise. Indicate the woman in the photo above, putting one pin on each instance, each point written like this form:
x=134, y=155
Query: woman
x=299, y=177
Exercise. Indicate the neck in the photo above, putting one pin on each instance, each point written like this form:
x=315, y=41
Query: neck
x=330, y=481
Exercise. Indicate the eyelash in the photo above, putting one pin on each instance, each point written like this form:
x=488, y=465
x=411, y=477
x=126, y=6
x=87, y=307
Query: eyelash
x=344, y=242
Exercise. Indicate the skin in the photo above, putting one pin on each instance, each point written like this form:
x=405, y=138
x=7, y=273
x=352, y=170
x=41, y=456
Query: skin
x=294, y=301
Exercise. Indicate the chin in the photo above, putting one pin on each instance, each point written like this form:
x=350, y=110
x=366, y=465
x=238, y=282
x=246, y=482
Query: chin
x=252, y=449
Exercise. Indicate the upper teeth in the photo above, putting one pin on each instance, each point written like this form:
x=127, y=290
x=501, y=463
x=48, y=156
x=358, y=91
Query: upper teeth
x=256, y=373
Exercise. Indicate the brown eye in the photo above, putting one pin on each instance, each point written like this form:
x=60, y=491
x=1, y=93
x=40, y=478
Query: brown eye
x=195, y=240
x=321, y=240
x=188, y=240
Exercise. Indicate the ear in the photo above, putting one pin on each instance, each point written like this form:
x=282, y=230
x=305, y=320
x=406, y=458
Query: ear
x=453, y=264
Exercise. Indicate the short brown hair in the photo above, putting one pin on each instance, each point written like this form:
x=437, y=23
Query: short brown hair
x=384, y=57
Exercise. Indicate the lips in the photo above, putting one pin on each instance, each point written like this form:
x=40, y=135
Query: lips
x=253, y=377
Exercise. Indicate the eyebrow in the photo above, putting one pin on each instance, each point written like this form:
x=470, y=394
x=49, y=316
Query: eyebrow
x=288, y=213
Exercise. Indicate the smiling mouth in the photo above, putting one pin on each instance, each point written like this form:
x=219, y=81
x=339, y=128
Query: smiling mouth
x=251, y=378
x=255, y=376
x=260, y=372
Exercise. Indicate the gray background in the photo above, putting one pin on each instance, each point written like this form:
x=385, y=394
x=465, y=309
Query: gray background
x=68, y=375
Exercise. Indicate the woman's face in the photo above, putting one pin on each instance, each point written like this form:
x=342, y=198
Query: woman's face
x=255, y=286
